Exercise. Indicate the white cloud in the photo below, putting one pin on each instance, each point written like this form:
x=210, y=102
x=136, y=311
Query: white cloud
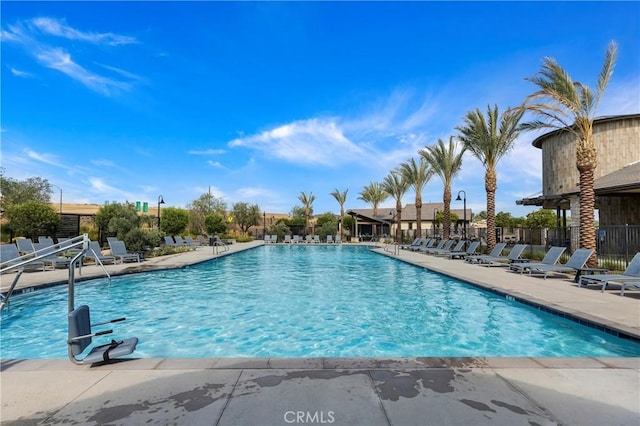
x=19, y=73
x=99, y=187
x=56, y=27
x=206, y=152
x=44, y=158
x=215, y=164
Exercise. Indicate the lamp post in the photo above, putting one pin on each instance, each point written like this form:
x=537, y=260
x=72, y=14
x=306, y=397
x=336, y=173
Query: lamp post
x=160, y=201
x=435, y=210
x=59, y=189
x=464, y=216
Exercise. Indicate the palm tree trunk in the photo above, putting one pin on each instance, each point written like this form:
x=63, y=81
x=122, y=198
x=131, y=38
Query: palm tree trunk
x=446, y=222
x=587, y=207
x=490, y=186
x=398, y=223
x=419, y=216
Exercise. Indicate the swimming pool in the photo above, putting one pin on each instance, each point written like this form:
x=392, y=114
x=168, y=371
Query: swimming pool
x=302, y=301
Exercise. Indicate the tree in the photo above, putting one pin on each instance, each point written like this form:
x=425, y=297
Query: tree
x=504, y=220
x=541, y=219
x=561, y=103
x=20, y=191
x=446, y=162
x=246, y=215
x=215, y=224
x=489, y=139
x=174, y=220
x=417, y=174
x=116, y=220
x=480, y=216
x=396, y=185
x=201, y=207
x=307, y=203
x=341, y=198
x=32, y=219
x=327, y=224
x=297, y=213
x=373, y=194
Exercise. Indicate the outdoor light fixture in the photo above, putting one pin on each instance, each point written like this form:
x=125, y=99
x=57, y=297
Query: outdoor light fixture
x=160, y=201
x=464, y=215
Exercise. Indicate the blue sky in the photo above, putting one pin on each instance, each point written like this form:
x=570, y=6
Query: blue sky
x=258, y=102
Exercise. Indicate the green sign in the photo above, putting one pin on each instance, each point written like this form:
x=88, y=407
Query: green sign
x=145, y=207
x=138, y=206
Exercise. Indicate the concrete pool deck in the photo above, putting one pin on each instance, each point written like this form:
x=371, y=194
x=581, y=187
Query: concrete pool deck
x=367, y=391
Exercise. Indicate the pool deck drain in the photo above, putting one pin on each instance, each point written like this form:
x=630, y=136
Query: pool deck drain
x=341, y=391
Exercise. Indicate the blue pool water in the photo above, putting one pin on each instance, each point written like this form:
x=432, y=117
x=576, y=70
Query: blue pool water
x=302, y=301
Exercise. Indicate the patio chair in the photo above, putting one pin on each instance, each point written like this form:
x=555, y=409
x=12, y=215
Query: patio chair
x=168, y=241
x=316, y=239
x=462, y=254
x=191, y=242
x=287, y=239
x=416, y=242
x=456, y=249
x=274, y=238
x=202, y=240
x=119, y=251
x=329, y=239
x=179, y=241
x=627, y=279
x=446, y=247
x=513, y=256
x=497, y=249
x=80, y=337
x=95, y=253
x=9, y=256
x=307, y=239
x=52, y=259
x=575, y=263
x=425, y=244
x=297, y=239
x=551, y=258
x=47, y=241
x=338, y=239
x=429, y=246
x=25, y=246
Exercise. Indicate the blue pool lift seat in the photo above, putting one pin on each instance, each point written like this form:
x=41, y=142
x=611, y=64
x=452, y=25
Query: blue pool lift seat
x=80, y=335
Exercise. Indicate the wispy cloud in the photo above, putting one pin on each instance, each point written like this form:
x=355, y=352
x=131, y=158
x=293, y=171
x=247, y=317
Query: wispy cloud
x=206, y=151
x=44, y=158
x=100, y=187
x=40, y=37
x=215, y=164
x=19, y=73
x=59, y=28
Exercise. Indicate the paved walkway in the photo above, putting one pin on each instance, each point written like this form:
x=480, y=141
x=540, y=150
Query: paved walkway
x=405, y=391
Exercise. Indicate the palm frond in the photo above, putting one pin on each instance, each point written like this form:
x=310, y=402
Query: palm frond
x=607, y=71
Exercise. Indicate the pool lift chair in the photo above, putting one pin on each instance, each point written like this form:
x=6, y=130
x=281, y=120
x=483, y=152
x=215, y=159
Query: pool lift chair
x=80, y=337
x=80, y=334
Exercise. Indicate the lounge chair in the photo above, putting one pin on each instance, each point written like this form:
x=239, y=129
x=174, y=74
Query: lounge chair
x=46, y=241
x=10, y=256
x=575, y=263
x=462, y=254
x=329, y=239
x=630, y=275
x=168, y=241
x=446, y=247
x=80, y=338
x=416, y=242
x=497, y=250
x=52, y=259
x=297, y=239
x=426, y=247
x=551, y=258
x=119, y=251
x=512, y=257
x=287, y=239
x=457, y=249
x=25, y=246
x=274, y=239
x=338, y=239
x=316, y=239
x=190, y=241
x=626, y=284
x=202, y=240
x=95, y=253
x=307, y=239
x=179, y=241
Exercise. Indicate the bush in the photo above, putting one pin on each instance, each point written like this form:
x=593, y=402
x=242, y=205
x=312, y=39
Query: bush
x=139, y=240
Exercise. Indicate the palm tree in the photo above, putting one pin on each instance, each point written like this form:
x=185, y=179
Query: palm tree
x=395, y=184
x=417, y=174
x=374, y=195
x=489, y=140
x=446, y=163
x=307, y=203
x=561, y=103
x=341, y=198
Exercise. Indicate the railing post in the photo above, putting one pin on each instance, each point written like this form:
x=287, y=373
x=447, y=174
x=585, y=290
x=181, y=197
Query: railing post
x=626, y=244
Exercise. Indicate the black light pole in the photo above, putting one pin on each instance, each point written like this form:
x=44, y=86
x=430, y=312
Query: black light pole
x=464, y=215
x=160, y=201
x=435, y=210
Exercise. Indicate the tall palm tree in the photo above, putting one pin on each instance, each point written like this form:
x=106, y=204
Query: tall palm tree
x=489, y=139
x=374, y=195
x=446, y=162
x=341, y=198
x=307, y=203
x=561, y=103
x=396, y=185
x=418, y=175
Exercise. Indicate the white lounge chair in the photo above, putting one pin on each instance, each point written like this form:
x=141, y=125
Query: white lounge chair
x=287, y=239
x=297, y=239
x=575, y=263
x=329, y=239
x=630, y=275
x=338, y=239
x=316, y=239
